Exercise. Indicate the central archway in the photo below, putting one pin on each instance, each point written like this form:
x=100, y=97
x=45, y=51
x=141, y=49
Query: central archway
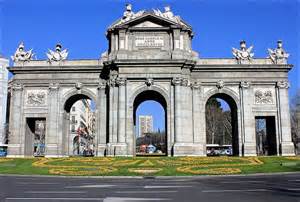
x=150, y=142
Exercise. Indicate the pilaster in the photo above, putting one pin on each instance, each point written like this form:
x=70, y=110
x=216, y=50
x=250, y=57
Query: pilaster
x=247, y=120
x=53, y=147
x=285, y=136
x=14, y=143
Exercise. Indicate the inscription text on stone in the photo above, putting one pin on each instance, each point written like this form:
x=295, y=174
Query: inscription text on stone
x=149, y=41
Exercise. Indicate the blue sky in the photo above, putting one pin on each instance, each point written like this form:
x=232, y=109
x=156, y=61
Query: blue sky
x=218, y=26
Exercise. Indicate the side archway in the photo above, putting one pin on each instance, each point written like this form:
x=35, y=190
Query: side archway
x=79, y=123
x=215, y=102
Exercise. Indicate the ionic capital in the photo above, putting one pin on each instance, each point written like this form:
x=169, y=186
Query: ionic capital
x=283, y=84
x=176, y=81
x=53, y=86
x=17, y=87
x=245, y=84
x=121, y=81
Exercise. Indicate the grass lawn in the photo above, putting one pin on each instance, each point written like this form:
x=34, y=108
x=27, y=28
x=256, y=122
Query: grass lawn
x=143, y=166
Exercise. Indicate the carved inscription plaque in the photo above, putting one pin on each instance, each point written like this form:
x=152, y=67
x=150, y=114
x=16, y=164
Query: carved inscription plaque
x=149, y=41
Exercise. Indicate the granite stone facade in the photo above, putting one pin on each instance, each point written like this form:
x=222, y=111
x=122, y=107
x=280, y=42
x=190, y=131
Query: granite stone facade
x=150, y=57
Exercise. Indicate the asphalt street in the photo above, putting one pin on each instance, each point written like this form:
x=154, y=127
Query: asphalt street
x=266, y=188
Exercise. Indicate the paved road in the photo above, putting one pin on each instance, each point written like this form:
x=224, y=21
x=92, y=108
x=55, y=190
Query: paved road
x=266, y=188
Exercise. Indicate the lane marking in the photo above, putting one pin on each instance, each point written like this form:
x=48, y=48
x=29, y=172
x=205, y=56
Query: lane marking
x=235, y=190
x=143, y=192
x=55, y=192
x=39, y=183
x=120, y=199
x=56, y=199
x=294, y=180
x=248, y=181
x=93, y=186
x=166, y=187
x=293, y=189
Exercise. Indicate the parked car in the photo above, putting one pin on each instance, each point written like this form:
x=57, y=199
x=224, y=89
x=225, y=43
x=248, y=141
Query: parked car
x=3, y=151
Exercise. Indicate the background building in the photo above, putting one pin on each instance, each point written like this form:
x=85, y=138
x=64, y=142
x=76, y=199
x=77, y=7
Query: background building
x=3, y=98
x=82, y=127
x=145, y=125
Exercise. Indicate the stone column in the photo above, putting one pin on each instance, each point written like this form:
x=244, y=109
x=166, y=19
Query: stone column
x=285, y=135
x=121, y=146
x=247, y=120
x=177, y=85
x=122, y=110
x=15, y=144
x=101, y=119
x=52, y=142
x=113, y=117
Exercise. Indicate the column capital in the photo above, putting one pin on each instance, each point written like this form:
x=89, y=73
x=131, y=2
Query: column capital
x=120, y=81
x=283, y=84
x=53, y=86
x=17, y=87
x=176, y=81
x=196, y=85
x=245, y=84
x=101, y=85
x=185, y=82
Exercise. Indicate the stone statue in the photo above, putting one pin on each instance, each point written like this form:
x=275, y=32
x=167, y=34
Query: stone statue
x=244, y=53
x=21, y=55
x=278, y=54
x=57, y=55
x=168, y=14
x=128, y=12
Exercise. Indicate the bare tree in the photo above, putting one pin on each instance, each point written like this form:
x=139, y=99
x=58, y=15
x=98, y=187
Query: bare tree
x=218, y=123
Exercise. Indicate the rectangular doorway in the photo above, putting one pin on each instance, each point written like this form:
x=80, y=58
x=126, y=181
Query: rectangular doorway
x=35, y=136
x=265, y=135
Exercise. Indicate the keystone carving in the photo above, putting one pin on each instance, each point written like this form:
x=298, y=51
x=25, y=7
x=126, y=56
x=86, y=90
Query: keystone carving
x=220, y=84
x=149, y=82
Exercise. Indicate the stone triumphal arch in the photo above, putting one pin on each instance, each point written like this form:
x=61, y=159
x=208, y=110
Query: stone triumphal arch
x=149, y=57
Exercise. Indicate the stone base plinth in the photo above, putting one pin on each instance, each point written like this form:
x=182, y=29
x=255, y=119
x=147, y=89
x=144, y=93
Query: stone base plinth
x=14, y=150
x=52, y=150
x=101, y=150
x=287, y=149
x=189, y=149
x=250, y=149
x=117, y=149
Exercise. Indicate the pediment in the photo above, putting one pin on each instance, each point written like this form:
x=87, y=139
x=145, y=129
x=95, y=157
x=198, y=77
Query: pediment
x=149, y=20
x=147, y=23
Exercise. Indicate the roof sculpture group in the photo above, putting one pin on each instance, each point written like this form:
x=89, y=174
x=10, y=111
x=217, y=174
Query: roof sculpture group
x=242, y=54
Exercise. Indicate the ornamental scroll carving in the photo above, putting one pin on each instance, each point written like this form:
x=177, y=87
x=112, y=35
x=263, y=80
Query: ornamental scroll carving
x=36, y=98
x=263, y=97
